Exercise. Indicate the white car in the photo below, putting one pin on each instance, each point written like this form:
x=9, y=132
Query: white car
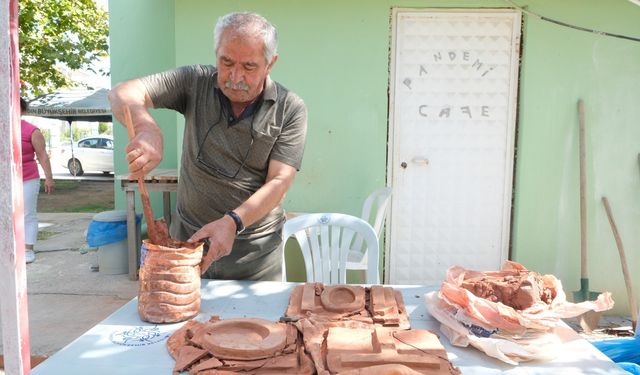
x=88, y=154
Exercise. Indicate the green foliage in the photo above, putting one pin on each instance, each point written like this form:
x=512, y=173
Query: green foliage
x=78, y=133
x=105, y=128
x=57, y=35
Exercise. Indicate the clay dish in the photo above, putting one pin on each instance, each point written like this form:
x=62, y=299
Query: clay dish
x=343, y=298
x=245, y=338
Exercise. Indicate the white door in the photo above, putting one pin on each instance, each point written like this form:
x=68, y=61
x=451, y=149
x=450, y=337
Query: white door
x=453, y=91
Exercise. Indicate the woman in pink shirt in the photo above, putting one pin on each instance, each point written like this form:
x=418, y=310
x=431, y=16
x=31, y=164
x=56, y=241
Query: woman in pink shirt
x=33, y=148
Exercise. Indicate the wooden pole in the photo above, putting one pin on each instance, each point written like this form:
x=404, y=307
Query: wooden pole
x=633, y=305
x=13, y=277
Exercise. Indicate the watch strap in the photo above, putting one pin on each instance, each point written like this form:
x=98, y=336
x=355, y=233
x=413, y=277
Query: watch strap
x=236, y=218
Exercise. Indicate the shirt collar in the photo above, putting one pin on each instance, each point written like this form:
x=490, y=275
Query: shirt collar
x=246, y=113
x=270, y=92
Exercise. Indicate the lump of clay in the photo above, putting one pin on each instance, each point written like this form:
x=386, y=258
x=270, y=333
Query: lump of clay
x=518, y=289
x=169, y=287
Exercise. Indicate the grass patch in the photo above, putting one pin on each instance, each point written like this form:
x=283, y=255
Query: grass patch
x=77, y=196
x=45, y=235
x=62, y=185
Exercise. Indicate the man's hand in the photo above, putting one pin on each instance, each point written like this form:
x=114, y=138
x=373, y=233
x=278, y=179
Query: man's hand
x=144, y=152
x=221, y=234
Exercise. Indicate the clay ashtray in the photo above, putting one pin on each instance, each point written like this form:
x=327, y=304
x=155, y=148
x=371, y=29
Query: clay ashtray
x=342, y=298
x=245, y=338
x=242, y=345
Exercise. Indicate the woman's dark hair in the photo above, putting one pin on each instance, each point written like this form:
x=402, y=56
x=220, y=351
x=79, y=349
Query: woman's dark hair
x=23, y=105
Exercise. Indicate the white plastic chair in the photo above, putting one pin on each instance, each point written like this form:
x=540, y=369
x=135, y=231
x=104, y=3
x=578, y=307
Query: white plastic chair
x=376, y=205
x=325, y=240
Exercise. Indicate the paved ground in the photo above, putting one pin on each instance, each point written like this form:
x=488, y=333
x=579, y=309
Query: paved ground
x=65, y=297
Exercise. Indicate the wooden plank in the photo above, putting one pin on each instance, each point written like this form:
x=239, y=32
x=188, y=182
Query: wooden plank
x=13, y=280
x=156, y=175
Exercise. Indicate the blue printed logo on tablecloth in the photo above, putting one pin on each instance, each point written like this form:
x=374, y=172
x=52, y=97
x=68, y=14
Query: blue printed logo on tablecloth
x=138, y=336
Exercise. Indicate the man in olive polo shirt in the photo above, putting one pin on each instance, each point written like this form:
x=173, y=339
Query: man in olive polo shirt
x=243, y=143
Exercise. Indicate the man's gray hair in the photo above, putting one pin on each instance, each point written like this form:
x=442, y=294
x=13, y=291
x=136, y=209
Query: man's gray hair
x=248, y=24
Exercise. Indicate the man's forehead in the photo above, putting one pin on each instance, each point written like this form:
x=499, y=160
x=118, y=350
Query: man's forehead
x=242, y=50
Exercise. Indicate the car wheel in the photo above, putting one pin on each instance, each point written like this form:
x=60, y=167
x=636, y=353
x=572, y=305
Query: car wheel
x=75, y=168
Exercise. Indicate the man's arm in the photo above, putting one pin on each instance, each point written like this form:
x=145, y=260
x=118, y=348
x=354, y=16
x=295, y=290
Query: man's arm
x=222, y=232
x=144, y=151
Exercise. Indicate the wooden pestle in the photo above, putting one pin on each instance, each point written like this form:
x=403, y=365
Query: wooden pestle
x=144, y=194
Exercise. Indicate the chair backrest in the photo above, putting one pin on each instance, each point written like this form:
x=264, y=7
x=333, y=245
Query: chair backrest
x=325, y=240
x=376, y=203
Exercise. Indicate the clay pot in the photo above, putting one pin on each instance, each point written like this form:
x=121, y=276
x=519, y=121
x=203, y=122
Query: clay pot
x=169, y=288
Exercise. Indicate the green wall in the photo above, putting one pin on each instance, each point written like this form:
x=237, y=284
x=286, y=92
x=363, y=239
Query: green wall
x=560, y=66
x=142, y=41
x=335, y=55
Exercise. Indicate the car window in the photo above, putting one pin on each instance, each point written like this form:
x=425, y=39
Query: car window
x=89, y=143
x=108, y=144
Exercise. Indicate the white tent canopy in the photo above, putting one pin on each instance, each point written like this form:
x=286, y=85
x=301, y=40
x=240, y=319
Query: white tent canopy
x=72, y=105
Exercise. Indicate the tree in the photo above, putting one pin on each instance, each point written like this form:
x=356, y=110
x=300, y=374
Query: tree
x=58, y=35
x=105, y=128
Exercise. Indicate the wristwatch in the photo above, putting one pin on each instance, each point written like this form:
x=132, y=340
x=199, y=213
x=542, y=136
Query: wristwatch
x=236, y=218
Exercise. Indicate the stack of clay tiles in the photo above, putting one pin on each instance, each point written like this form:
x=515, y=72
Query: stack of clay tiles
x=243, y=345
x=169, y=288
x=350, y=329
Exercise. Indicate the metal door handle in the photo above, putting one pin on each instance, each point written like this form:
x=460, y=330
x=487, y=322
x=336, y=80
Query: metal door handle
x=420, y=160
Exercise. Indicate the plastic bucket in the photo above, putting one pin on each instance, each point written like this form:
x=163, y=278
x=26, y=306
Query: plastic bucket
x=107, y=232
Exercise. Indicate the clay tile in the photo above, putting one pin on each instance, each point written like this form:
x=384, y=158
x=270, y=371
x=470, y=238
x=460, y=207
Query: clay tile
x=187, y=356
x=350, y=349
x=418, y=341
x=389, y=369
x=179, y=338
x=207, y=364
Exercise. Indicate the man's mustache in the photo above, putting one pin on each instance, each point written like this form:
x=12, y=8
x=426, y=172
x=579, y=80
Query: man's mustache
x=236, y=86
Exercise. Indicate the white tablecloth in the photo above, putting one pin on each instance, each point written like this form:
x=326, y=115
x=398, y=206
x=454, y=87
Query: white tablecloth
x=124, y=344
